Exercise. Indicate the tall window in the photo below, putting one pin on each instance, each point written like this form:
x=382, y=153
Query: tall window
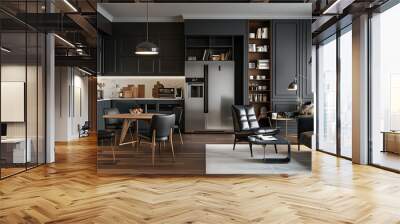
x=385, y=89
x=327, y=96
x=346, y=93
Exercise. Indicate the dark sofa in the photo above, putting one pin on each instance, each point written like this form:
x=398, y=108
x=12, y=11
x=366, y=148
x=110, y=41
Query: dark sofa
x=305, y=130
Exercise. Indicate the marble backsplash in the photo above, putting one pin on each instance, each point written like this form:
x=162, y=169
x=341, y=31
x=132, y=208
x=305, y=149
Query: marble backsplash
x=113, y=85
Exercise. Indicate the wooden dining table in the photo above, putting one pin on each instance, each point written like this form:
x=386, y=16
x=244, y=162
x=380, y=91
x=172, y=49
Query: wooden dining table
x=128, y=119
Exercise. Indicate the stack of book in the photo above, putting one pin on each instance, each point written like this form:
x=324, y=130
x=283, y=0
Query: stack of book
x=263, y=64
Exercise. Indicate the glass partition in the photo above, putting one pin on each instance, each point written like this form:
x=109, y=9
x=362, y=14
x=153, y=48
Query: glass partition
x=14, y=153
x=327, y=96
x=22, y=67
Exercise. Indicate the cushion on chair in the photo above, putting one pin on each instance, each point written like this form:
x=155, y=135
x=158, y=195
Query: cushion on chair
x=245, y=118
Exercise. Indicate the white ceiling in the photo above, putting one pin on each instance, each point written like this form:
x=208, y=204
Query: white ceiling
x=159, y=12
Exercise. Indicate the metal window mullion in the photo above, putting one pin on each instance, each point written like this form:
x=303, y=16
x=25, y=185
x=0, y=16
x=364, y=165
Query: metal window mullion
x=338, y=94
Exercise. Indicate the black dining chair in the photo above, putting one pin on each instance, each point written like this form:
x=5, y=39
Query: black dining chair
x=106, y=137
x=112, y=124
x=178, y=111
x=161, y=131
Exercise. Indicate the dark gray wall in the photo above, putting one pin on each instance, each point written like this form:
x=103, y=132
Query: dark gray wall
x=291, y=57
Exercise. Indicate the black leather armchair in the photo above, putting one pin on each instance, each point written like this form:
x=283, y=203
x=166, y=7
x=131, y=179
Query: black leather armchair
x=245, y=124
x=305, y=131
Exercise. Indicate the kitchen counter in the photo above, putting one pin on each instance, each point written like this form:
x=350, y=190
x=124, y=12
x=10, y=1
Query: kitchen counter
x=149, y=105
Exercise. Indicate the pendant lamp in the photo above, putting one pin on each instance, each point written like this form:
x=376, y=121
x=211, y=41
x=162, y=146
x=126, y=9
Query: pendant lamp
x=147, y=47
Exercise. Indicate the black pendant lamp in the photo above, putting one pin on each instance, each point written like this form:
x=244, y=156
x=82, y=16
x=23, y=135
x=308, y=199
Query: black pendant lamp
x=147, y=47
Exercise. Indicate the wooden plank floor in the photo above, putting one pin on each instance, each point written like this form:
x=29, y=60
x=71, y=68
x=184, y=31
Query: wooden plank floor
x=70, y=191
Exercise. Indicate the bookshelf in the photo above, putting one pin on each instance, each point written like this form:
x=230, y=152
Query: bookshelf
x=259, y=65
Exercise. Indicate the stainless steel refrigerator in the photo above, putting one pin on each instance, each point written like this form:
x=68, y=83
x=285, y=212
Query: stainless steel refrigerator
x=209, y=95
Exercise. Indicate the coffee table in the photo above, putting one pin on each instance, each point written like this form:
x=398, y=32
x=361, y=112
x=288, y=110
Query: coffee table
x=254, y=140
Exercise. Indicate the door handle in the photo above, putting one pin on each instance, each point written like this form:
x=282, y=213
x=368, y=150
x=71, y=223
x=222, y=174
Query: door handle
x=205, y=88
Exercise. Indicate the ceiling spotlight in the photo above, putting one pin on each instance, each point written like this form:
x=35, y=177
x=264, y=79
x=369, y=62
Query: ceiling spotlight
x=84, y=71
x=5, y=50
x=70, y=5
x=64, y=40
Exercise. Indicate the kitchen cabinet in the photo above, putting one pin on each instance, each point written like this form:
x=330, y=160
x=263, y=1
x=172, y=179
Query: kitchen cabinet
x=291, y=58
x=119, y=50
x=215, y=27
x=109, y=55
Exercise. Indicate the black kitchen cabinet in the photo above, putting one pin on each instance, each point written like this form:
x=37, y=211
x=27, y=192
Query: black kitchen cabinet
x=119, y=50
x=291, y=58
x=109, y=55
x=198, y=27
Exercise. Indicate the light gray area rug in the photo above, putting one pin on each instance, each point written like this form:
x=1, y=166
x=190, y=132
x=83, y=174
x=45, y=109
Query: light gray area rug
x=221, y=159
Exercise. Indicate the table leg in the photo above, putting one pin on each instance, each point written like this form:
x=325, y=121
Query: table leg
x=125, y=127
x=384, y=142
x=137, y=135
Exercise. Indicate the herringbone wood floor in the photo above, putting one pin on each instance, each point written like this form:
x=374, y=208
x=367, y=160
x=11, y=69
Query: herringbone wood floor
x=70, y=191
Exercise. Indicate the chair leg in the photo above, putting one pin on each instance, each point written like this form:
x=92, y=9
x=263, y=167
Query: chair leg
x=276, y=150
x=172, y=143
x=153, y=148
x=180, y=135
x=234, y=144
x=138, y=144
x=115, y=145
x=113, y=150
x=251, y=149
x=131, y=134
x=159, y=148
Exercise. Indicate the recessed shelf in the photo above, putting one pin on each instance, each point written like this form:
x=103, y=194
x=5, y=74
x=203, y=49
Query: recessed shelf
x=260, y=90
x=260, y=52
x=259, y=68
x=210, y=46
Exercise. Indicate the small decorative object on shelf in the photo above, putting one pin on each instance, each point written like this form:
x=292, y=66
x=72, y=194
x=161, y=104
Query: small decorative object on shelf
x=262, y=33
x=262, y=48
x=136, y=110
x=263, y=64
x=252, y=65
x=252, y=47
